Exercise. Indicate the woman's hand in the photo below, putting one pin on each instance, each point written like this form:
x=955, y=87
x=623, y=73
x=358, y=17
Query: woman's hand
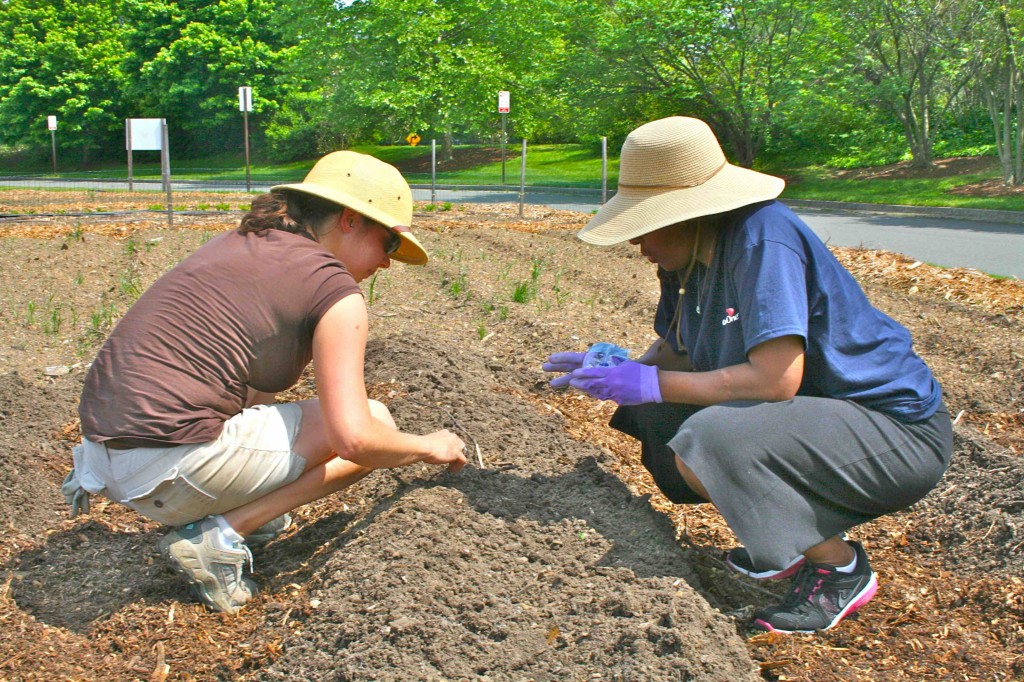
x=630, y=383
x=446, y=448
x=563, y=362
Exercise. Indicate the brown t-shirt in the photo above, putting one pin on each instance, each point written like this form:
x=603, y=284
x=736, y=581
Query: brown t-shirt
x=238, y=312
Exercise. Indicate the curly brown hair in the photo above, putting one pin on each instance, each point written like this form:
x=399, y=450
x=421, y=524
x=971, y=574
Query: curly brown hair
x=294, y=212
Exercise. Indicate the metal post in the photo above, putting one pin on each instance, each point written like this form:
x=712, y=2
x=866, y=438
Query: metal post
x=128, y=146
x=503, y=117
x=53, y=147
x=604, y=170
x=245, y=106
x=433, y=171
x=245, y=118
x=522, y=180
x=165, y=170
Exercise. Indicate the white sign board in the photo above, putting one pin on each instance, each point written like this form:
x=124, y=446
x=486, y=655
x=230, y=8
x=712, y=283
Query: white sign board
x=144, y=134
x=51, y=122
x=245, y=98
x=503, y=102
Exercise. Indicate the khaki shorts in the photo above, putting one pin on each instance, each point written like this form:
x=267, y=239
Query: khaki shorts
x=177, y=485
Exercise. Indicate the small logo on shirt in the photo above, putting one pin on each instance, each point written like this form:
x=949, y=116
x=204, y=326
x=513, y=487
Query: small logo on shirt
x=730, y=316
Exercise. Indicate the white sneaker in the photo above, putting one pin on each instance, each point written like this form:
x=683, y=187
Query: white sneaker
x=215, y=572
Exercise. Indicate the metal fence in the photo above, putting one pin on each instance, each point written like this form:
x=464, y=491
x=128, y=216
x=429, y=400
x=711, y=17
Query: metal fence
x=84, y=193
x=22, y=196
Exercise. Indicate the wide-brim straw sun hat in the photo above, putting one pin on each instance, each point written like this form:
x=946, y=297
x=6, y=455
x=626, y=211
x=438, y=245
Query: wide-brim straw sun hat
x=672, y=170
x=369, y=187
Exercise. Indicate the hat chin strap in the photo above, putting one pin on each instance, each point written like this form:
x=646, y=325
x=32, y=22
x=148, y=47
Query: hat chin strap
x=677, y=315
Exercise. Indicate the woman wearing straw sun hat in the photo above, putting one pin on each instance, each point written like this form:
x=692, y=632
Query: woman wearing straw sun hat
x=776, y=391
x=178, y=414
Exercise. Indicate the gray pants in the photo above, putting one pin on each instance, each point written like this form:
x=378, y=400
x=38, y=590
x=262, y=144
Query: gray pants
x=789, y=475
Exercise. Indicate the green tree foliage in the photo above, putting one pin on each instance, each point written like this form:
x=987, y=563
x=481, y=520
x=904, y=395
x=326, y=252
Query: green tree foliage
x=731, y=62
x=385, y=68
x=61, y=58
x=597, y=79
x=187, y=59
x=916, y=54
x=826, y=113
x=1000, y=44
x=850, y=81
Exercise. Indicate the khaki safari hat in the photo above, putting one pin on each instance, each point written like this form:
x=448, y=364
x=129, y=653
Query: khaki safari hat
x=370, y=187
x=672, y=170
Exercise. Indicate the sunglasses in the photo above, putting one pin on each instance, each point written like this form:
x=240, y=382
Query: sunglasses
x=393, y=242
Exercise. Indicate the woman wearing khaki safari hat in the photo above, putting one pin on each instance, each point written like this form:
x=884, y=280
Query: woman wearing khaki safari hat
x=178, y=414
x=776, y=391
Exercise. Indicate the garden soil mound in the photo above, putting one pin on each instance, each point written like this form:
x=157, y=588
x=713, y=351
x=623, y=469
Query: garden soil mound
x=551, y=556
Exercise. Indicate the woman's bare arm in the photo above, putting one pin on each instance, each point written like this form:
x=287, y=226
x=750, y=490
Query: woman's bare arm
x=339, y=345
x=774, y=371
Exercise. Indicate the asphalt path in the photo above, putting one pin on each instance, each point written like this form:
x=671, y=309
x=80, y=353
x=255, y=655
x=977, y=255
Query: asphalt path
x=996, y=248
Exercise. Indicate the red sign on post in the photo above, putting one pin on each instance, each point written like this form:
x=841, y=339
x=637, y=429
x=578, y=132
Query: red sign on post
x=503, y=102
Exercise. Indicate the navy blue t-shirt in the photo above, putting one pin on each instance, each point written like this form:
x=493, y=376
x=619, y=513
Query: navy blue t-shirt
x=771, y=276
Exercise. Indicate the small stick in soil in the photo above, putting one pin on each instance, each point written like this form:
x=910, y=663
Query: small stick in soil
x=465, y=431
x=460, y=427
x=161, y=670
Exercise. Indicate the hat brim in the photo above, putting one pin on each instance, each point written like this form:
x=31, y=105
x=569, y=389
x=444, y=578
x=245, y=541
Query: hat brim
x=410, y=251
x=634, y=212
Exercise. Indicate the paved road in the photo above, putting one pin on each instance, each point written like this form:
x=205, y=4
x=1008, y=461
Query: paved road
x=995, y=248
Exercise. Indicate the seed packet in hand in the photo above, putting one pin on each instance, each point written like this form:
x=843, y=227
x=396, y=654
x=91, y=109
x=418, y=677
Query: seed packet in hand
x=605, y=355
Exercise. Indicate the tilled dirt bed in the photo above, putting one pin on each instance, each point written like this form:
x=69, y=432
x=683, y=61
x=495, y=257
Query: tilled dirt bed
x=551, y=557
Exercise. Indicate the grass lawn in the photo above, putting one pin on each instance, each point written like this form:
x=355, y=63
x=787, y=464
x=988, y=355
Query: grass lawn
x=943, y=190
x=547, y=165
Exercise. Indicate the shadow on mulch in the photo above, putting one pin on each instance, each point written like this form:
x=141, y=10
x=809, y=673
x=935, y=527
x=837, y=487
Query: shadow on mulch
x=82, y=575
x=95, y=571
x=590, y=494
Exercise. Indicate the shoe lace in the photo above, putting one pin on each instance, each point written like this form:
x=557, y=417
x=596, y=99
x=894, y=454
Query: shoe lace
x=239, y=546
x=248, y=554
x=232, y=580
x=806, y=584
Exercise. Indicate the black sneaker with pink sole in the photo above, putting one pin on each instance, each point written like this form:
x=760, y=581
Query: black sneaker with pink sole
x=820, y=597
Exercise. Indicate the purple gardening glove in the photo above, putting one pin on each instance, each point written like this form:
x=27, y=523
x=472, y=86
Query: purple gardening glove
x=630, y=383
x=563, y=362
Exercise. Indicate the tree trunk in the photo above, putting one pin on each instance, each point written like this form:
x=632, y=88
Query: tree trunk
x=1018, y=175
x=86, y=156
x=447, y=147
x=739, y=136
x=1004, y=98
x=915, y=129
x=1000, y=112
x=745, y=149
